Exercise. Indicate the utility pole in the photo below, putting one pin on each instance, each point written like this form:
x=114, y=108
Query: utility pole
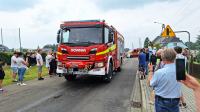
x=140, y=43
x=20, y=46
x=132, y=46
x=1, y=36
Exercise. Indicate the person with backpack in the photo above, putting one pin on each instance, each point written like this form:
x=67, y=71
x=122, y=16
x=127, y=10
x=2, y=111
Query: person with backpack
x=142, y=64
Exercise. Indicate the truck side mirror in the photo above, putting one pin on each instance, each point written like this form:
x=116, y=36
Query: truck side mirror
x=110, y=38
x=58, y=36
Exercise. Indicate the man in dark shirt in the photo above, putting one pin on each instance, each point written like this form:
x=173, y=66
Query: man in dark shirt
x=2, y=74
x=153, y=61
x=147, y=61
x=142, y=63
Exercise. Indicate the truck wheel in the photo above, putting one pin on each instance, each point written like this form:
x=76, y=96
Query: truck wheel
x=70, y=77
x=108, y=77
x=119, y=68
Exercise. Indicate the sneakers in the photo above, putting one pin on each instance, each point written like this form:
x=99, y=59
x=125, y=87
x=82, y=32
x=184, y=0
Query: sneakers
x=14, y=80
x=21, y=84
x=40, y=78
x=183, y=105
x=18, y=84
x=151, y=102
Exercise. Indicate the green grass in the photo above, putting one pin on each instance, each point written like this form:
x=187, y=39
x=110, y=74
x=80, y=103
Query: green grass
x=196, y=63
x=30, y=74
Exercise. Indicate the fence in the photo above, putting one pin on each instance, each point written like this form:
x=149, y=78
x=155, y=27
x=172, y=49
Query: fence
x=195, y=70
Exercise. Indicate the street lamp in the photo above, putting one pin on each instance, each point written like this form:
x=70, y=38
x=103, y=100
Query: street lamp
x=163, y=25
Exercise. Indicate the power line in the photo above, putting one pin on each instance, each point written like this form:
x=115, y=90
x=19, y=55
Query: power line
x=182, y=10
x=189, y=13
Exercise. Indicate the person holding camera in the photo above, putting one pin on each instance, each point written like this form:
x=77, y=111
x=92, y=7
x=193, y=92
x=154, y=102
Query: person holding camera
x=167, y=88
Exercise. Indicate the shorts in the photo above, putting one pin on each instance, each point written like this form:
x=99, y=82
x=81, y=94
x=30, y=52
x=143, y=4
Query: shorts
x=14, y=69
x=2, y=74
x=39, y=69
x=141, y=68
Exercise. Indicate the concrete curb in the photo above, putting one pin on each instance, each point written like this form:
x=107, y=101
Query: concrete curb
x=134, y=96
x=143, y=97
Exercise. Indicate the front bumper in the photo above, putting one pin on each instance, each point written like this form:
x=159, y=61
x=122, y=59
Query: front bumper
x=95, y=71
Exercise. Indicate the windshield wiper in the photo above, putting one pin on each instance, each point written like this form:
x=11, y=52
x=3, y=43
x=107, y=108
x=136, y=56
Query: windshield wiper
x=68, y=43
x=89, y=42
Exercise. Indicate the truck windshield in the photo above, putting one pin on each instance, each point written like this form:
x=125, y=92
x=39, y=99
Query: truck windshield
x=82, y=35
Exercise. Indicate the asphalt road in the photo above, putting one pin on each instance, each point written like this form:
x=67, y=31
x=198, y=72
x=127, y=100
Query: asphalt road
x=83, y=95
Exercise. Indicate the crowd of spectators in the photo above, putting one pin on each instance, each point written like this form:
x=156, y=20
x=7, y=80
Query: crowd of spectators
x=166, y=89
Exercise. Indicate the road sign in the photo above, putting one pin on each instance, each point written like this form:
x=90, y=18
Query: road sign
x=168, y=32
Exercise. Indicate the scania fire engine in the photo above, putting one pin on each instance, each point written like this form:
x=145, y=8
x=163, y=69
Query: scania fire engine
x=89, y=48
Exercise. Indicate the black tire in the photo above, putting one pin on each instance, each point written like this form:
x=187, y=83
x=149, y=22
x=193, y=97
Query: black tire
x=108, y=77
x=70, y=77
x=119, y=68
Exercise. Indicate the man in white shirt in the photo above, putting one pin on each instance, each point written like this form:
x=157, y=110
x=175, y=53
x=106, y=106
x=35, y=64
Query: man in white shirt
x=14, y=66
x=180, y=56
x=39, y=64
x=48, y=59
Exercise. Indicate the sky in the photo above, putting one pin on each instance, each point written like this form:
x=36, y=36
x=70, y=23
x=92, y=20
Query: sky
x=39, y=20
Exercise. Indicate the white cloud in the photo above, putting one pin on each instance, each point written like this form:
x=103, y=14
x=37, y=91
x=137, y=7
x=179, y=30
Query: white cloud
x=40, y=23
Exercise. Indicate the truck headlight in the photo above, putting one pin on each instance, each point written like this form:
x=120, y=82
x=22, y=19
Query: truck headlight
x=99, y=64
x=64, y=51
x=93, y=51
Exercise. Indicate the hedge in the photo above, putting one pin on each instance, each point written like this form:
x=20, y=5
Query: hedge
x=5, y=57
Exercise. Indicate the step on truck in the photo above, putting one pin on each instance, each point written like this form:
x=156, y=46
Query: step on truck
x=89, y=48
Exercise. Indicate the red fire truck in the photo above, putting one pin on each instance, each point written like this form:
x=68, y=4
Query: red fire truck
x=89, y=47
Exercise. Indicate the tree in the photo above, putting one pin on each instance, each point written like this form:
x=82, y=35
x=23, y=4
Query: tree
x=198, y=42
x=191, y=45
x=151, y=44
x=146, y=42
x=50, y=46
x=158, y=46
